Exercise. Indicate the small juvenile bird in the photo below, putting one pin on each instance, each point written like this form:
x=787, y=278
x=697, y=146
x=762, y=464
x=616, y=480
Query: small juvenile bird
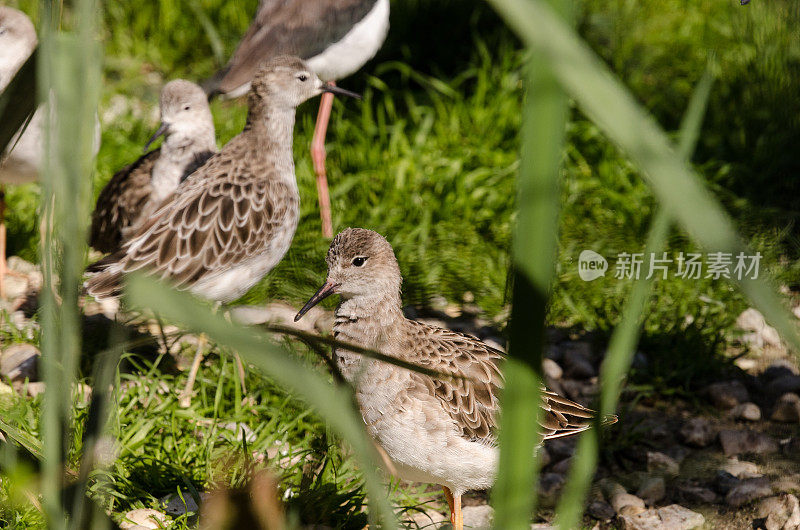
x=135, y=191
x=440, y=431
x=234, y=218
x=335, y=37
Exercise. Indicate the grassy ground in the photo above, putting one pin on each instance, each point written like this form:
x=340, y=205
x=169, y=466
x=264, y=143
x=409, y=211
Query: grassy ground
x=428, y=159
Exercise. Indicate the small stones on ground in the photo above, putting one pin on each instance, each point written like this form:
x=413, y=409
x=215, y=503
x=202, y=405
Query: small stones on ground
x=19, y=362
x=747, y=411
x=577, y=364
x=698, y=432
x=741, y=469
x=478, y=516
x=429, y=518
x=145, y=518
x=551, y=369
x=662, y=464
x=727, y=394
x=652, y=490
x=779, y=513
x=787, y=409
x=736, y=442
x=600, y=510
x=762, y=333
x=724, y=482
x=550, y=485
x=623, y=502
x=672, y=517
x=748, y=490
x=697, y=494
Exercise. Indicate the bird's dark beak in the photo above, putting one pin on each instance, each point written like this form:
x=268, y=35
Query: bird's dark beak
x=324, y=292
x=333, y=89
x=162, y=130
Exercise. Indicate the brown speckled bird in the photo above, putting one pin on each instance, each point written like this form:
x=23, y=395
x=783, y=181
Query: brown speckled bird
x=440, y=431
x=233, y=219
x=135, y=192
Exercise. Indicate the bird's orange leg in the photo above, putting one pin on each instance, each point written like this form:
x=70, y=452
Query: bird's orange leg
x=459, y=515
x=449, y=496
x=318, y=157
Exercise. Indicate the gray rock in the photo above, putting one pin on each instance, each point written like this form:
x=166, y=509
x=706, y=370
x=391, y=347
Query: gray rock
x=143, y=518
x=478, y=516
x=652, y=490
x=784, y=384
x=727, y=394
x=175, y=505
x=779, y=368
x=724, y=482
x=659, y=463
x=19, y=362
x=748, y=490
x=781, y=512
x=627, y=504
x=738, y=442
x=577, y=365
x=550, y=485
x=747, y=411
x=763, y=334
x=552, y=369
x=672, y=517
x=698, y=432
x=697, y=494
x=600, y=510
x=741, y=469
x=787, y=409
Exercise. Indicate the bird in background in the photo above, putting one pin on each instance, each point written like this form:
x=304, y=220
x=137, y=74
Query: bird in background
x=134, y=192
x=434, y=430
x=335, y=37
x=232, y=220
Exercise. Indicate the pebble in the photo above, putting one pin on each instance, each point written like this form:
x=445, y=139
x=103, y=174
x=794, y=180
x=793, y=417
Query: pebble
x=697, y=494
x=779, y=368
x=698, y=432
x=747, y=411
x=35, y=388
x=727, y=394
x=600, y=510
x=748, y=490
x=672, y=517
x=741, y=469
x=784, y=384
x=662, y=464
x=652, y=490
x=787, y=409
x=764, y=334
x=143, y=518
x=175, y=505
x=735, y=442
x=478, y=516
x=623, y=502
x=551, y=369
x=19, y=362
x=780, y=512
x=550, y=485
x=724, y=482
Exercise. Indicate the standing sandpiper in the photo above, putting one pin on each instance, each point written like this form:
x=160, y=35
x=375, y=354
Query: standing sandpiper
x=234, y=218
x=135, y=192
x=335, y=37
x=433, y=430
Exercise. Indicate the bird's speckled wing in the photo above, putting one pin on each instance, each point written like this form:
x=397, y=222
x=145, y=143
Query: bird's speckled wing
x=218, y=218
x=473, y=402
x=291, y=27
x=120, y=203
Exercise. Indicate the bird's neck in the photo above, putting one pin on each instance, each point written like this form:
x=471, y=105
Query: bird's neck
x=178, y=152
x=368, y=320
x=273, y=130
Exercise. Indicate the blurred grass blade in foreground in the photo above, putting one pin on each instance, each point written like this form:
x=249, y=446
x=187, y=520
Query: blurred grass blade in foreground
x=333, y=403
x=69, y=83
x=622, y=345
x=534, y=256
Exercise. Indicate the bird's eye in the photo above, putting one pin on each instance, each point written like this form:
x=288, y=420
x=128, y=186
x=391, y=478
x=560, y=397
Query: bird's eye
x=302, y=77
x=187, y=107
x=359, y=261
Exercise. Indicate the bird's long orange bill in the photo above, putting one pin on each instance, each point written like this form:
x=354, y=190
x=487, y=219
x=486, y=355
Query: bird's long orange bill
x=324, y=292
x=333, y=89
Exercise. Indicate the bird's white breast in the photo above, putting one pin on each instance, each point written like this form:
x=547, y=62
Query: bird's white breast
x=358, y=46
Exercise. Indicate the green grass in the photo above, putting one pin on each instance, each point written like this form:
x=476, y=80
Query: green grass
x=429, y=158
